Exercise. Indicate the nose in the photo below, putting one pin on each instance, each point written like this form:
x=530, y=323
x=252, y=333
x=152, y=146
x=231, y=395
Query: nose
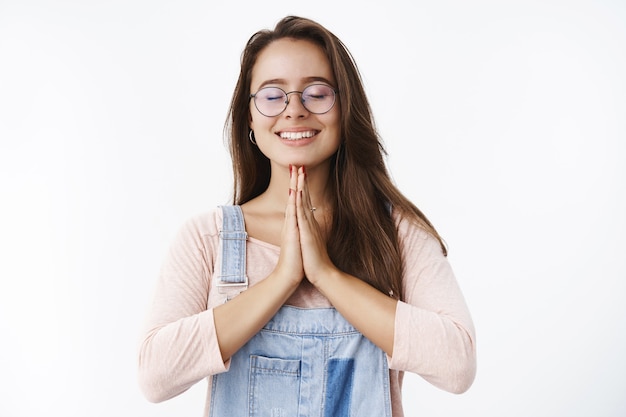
x=297, y=109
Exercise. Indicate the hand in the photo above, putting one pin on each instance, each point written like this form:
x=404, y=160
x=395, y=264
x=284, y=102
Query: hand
x=315, y=260
x=289, y=265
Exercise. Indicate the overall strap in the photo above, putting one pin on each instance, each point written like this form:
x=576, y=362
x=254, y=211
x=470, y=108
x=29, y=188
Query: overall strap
x=233, y=238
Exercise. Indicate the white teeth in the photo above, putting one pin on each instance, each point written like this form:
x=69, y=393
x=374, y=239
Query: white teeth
x=296, y=135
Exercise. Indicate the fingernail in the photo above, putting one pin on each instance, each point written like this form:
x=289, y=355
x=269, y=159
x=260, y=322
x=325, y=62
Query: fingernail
x=304, y=170
x=290, y=191
x=290, y=169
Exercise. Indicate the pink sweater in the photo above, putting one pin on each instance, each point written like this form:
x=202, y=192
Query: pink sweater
x=434, y=334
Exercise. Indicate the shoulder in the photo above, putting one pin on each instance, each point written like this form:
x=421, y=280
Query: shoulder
x=414, y=238
x=200, y=228
x=426, y=269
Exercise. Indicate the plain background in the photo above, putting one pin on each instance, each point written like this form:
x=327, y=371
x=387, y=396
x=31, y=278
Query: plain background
x=505, y=123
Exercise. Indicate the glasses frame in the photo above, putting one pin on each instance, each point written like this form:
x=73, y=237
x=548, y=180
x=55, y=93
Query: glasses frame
x=335, y=93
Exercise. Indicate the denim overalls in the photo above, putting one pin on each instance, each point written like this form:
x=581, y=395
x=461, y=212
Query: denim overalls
x=304, y=362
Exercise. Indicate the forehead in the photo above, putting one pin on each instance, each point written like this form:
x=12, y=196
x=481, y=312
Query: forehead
x=289, y=62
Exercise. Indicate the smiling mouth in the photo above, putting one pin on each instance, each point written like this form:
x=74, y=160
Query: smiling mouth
x=297, y=135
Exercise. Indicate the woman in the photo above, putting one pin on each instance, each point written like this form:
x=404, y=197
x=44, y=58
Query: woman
x=322, y=283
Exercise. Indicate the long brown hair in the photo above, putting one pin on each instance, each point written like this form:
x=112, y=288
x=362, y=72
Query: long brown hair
x=363, y=239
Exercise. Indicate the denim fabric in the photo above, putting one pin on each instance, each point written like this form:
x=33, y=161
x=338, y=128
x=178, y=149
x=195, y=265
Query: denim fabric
x=233, y=237
x=305, y=363
x=339, y=387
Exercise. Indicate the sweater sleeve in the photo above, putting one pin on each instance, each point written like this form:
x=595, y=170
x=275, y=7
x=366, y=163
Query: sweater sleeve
x=434, y=332
x=179, y=346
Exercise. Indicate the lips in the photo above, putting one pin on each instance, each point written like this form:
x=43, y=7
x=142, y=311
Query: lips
x=305, y=134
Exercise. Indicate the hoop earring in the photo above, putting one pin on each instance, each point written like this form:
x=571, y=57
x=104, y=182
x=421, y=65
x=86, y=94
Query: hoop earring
x=251, y=137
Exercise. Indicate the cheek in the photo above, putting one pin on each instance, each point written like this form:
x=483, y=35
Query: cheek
x=334, y=120
x=335, y=113
x=258, y=122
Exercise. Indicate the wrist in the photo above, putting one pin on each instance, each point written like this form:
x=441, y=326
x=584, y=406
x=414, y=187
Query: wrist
x=284, y=281
x=323, y=276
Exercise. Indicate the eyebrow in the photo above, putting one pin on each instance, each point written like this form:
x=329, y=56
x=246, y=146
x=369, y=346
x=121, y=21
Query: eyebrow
x=306, y=80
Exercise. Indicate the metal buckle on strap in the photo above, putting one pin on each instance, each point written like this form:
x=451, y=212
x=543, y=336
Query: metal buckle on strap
x=224, y=286
x=233, y=235
x=231, y=289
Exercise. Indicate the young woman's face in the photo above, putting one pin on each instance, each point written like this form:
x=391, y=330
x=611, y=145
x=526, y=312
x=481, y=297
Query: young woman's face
x=296, y=136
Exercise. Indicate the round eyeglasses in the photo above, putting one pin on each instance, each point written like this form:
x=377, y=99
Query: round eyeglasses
x=316, y=99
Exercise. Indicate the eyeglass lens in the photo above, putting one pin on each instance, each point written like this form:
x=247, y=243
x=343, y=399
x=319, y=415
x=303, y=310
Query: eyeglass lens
x=316, y=98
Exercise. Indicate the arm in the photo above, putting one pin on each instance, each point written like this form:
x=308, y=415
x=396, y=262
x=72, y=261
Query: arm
x=437, y=336
x=429, y=333
x=186, y=342
x=180, y=346
x=371, y=312
x=241, y=318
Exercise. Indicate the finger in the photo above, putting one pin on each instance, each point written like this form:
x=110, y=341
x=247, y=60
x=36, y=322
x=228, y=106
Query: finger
x=309, y=208
x=293, y=178
x=300, y=209
x=290, y=210
x=300, y=178
x=303, y=200
x=307, y=197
